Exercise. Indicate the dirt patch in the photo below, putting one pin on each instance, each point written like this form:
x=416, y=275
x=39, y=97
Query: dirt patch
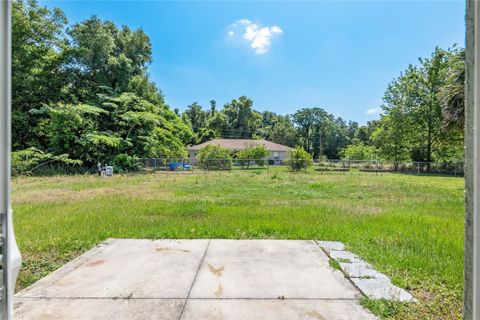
x=219, y=291
x=315, y=315
x=145, y=191
x=95, y=263
x=216, y=271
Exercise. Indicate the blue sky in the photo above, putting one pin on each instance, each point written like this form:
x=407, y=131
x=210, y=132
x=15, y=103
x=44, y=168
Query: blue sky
x=337, y=55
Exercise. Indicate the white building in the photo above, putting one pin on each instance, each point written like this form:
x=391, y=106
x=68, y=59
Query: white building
x=278, y=152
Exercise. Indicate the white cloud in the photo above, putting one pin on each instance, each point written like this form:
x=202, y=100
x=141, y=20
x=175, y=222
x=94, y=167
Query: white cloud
x=374, y=111
x=258, y=37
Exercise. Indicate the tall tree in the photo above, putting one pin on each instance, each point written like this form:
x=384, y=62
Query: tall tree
x=213, y=108
x=242, y=120
x=284, y=133
x=197, y=117
x=105, y=55
x=39, y=49
x=321, y=132
x=305, y=119
x=413, y=118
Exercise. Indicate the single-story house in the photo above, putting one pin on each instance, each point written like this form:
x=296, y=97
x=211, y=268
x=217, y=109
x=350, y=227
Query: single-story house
x=278, y=152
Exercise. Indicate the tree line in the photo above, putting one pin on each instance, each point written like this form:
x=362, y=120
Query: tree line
x=421, y=120
x=82, y=92
x=82, y=95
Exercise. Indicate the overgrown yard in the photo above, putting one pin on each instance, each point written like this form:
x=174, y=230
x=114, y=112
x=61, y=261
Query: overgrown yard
x=410, y=227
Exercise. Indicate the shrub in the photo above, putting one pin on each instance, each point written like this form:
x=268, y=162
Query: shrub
x=124, y=162
x=256, y=153
x=259, y=153
x=27, y=160
x=214, y=157
x=243, y=157
x=299, y=159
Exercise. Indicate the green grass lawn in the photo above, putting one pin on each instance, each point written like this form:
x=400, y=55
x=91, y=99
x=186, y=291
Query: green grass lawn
x=409, y=227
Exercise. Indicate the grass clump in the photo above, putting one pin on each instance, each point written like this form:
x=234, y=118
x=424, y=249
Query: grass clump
x=334, y=264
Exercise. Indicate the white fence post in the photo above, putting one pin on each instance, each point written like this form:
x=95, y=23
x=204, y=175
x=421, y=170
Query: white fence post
x=472, y=164
x=10, y=260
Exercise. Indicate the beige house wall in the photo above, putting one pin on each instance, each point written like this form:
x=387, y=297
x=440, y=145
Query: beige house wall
x=276, y=156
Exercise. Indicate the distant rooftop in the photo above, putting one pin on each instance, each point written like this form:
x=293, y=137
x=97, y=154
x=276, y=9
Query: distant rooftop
x=240, y=144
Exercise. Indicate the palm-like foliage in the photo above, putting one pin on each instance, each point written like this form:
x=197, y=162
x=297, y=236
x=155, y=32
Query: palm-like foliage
x=452, y=95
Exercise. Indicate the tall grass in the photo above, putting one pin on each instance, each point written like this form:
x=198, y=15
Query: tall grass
x=410, y=227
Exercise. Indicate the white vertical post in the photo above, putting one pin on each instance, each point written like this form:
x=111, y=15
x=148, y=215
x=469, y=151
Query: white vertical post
x=9, y=250
x=472, y=164
x=4, y=143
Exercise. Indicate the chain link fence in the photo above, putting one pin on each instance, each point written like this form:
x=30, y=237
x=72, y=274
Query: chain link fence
x=409, y=167
x=375, y=166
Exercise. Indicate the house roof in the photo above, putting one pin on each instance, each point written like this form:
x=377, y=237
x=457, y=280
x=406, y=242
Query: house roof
x=240, y=144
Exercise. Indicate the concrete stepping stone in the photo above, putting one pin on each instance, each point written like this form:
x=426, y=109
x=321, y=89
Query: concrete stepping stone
x=344, y=256
x=382, y=288
x=369, y=281
x=331, y=245
x=361, y=270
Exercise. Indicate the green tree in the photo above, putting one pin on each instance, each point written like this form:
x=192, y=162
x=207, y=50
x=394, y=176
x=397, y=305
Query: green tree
x=364, y=133
x=218, y=123
x=299, y=159
x=321, y=132
x=284, y=133
x=393, y=134
x=392, y=137
x=452, y=94
x=242, y=120
x=143, y=87
x=214, y=157
x=108, y=56
x=253, y=153
x=359, y=151
x=213, y=108
x=412, y=120
x=197, y=116
x=39, y=49
x=305, y=120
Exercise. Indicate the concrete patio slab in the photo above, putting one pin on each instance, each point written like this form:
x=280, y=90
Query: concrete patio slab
x=97, y=309
x=123, y=268
x=194, y=279
x=269, y=269
x=221, y=309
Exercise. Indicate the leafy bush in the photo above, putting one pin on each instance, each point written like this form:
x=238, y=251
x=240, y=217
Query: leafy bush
x=125, y=162
x=214, y=157
x=259, y=153
x=256, y=153
x=26, y=161
x=299, y=159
